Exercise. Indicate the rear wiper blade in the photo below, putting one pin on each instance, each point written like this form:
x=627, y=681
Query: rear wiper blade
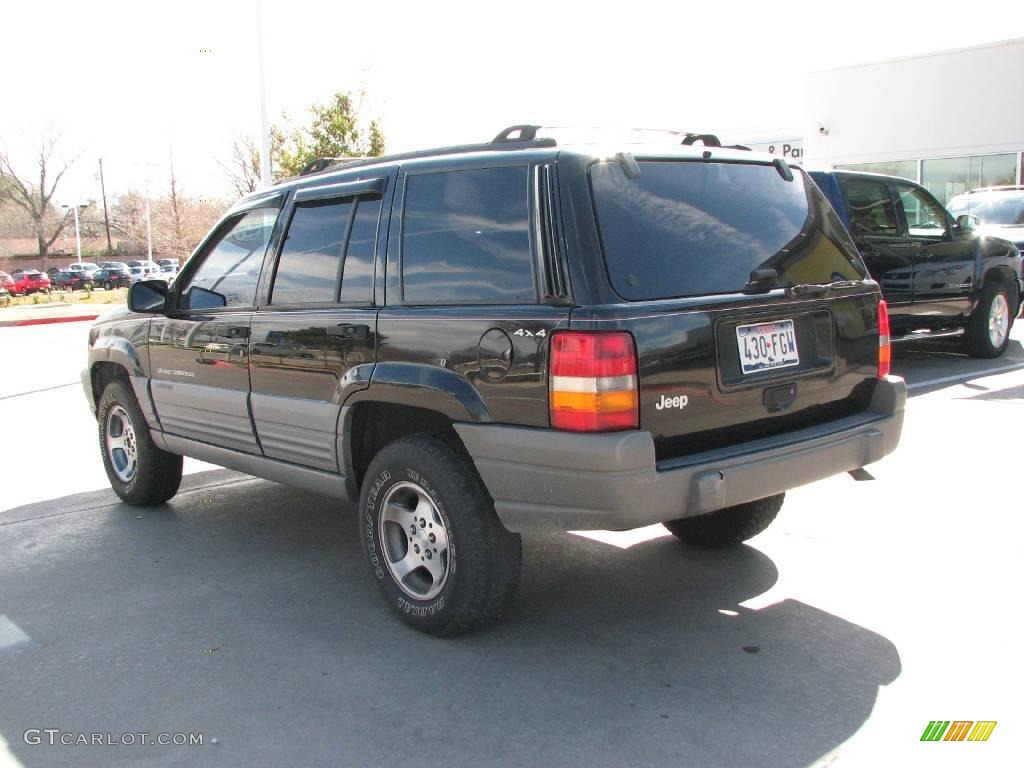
x=762, y=280
x=818, y=289
x=629, y=164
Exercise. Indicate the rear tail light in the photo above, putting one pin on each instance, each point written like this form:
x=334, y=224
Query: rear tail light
x=593, y=381
x=884, y=350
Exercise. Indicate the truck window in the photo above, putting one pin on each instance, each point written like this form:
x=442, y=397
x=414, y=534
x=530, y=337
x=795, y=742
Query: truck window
x=870, y=208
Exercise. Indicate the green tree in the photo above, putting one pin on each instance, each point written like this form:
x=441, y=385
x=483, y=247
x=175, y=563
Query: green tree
x=335, y=130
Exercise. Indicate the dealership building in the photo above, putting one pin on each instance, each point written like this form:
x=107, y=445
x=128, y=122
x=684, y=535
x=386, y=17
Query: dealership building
x=951, y=120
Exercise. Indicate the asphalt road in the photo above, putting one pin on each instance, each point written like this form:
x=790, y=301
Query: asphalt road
x=243, y=611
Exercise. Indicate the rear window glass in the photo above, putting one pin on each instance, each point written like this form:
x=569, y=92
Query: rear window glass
x=692, y=228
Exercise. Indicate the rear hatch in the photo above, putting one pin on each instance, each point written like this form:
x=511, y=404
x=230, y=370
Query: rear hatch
x=752, y=313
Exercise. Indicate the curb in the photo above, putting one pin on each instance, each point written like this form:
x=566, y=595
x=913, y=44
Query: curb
x=46, y=320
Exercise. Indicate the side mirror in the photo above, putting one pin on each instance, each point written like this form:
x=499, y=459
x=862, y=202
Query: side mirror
x=201, y=298
x=148, y=296
x=967, y=222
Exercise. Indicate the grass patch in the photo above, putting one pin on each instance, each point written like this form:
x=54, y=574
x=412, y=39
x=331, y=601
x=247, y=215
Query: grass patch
x=115, y=296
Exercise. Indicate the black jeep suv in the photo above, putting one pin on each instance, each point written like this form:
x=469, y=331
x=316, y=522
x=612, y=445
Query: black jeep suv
x=478, y=340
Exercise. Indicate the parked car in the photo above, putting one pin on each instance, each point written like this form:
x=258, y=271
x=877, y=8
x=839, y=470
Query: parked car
x=5, y=296
x=28, y=281
x=998, y=211
x=143, y=269
x=72, y=281
x=112, y=278
x=113, y=265
x=174, y=263
x=83, y=266
x=509, y=336
x=938, y=276
x=6, y=282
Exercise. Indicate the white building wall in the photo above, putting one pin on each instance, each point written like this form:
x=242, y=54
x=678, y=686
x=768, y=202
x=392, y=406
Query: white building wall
x=951, y=103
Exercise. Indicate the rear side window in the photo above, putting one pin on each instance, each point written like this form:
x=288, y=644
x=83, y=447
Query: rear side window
x=328, y=241
x=870, y=208
x=694, y=228
x=357, y=284
x=466, y=238
x=310, y=262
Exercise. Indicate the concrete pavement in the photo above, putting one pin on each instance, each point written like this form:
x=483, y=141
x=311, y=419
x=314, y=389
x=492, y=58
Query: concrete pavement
x=243, y=610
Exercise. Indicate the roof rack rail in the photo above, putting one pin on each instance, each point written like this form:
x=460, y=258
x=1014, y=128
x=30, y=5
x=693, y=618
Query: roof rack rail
x=323, y=163
x=526, y=139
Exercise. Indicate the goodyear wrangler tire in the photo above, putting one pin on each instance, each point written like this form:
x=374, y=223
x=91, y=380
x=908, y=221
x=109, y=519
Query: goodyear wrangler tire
x=442, y=559
x=727, y=527
x=139, y=472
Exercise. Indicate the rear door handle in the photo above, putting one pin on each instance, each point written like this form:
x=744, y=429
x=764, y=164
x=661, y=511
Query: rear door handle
x=349, y=331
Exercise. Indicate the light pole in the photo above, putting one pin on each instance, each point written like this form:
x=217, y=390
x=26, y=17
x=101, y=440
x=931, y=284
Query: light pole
x=265, y=174
x=78, y=231
x=149, y=229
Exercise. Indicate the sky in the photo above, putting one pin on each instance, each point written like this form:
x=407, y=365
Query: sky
x=136, y=82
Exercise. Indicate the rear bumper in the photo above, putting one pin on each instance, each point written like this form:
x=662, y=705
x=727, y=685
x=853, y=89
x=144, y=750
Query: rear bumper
x=541, y=478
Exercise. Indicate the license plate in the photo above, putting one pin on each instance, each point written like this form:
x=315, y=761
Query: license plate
x=767, y=346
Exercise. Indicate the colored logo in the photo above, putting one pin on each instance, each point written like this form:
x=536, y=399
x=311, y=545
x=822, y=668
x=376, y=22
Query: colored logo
x=958, y=730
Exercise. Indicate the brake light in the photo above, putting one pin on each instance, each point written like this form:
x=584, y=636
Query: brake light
x=593, y=381
x=884, y=350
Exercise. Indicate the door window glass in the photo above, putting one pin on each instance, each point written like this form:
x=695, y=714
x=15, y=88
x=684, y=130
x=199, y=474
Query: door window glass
x=466, y=238
x=357, y=282
x=870, y=208
x=925, y=217
x=229, y=272
x=310, y=261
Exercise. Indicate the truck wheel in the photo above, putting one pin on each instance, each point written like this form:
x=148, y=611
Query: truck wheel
x=441, y=557
x=727, y=527
x=139, y=472
x=988, y=328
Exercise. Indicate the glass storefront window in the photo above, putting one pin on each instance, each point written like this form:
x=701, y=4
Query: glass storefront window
x=950, y=176
x=905, y=169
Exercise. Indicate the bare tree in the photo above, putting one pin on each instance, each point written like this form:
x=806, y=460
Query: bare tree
x=243, y=167
x=37, y=199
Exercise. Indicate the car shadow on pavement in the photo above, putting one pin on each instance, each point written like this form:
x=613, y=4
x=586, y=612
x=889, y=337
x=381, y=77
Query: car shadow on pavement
x=244, y=610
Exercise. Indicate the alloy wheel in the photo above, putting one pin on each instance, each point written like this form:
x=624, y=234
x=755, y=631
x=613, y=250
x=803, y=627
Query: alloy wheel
x=122, y=444
x=415, y=541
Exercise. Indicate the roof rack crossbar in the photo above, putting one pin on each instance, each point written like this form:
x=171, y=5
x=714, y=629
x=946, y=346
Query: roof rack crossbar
x=707, y=139
x=524, y=133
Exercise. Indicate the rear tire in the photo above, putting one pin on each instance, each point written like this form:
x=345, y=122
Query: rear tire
x=139, y=472
x=988, y=328
x=440, y=555
x=727, y=527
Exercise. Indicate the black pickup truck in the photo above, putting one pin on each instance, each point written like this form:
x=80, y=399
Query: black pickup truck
x=474, y=341
x=938, y=276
